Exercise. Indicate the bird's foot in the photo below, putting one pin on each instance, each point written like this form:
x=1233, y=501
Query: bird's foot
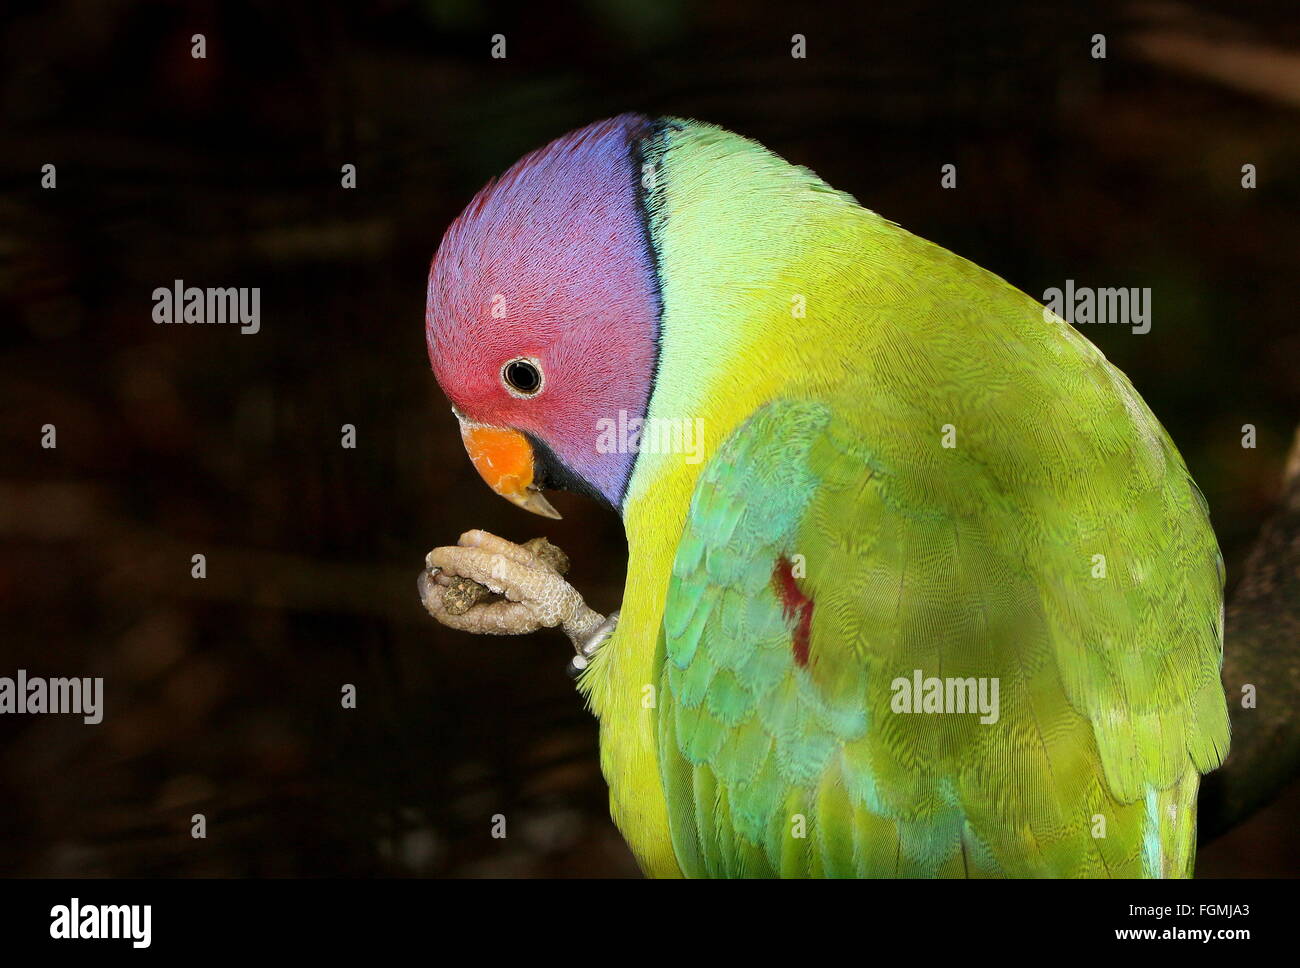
x=490, y=586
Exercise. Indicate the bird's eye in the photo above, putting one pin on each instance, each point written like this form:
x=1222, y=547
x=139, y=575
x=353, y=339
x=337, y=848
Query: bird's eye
x=523, y=377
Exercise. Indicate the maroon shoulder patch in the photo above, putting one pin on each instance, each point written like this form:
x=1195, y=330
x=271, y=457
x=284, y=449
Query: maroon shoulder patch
x=797, y=607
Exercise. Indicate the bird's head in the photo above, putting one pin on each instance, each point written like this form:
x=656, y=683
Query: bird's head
x=543, y=313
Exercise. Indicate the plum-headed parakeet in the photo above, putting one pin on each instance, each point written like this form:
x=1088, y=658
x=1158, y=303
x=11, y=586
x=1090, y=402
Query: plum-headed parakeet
x=917, y=584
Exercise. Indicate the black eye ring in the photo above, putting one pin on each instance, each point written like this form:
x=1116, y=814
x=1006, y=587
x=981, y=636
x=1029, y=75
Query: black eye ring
x=522, y=377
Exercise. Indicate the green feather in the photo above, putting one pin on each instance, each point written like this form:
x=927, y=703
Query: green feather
x=907, y=572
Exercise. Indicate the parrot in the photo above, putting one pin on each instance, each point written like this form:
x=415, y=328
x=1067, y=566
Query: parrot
x=917, y=584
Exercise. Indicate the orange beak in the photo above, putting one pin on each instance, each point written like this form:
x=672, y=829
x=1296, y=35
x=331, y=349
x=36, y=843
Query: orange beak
x=504, y=459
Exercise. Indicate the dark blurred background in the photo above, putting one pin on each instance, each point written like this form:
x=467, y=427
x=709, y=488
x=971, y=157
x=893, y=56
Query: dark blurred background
x=223, y=695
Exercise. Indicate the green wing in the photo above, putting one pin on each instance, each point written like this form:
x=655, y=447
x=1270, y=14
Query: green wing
x=920, y=557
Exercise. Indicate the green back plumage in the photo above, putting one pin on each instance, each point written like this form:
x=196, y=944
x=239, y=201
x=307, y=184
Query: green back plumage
x=826, y=439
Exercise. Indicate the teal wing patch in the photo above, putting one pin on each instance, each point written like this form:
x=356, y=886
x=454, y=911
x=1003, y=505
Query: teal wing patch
x=776, y=766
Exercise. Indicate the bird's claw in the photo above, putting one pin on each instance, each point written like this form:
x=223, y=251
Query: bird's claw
x=531, y=592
